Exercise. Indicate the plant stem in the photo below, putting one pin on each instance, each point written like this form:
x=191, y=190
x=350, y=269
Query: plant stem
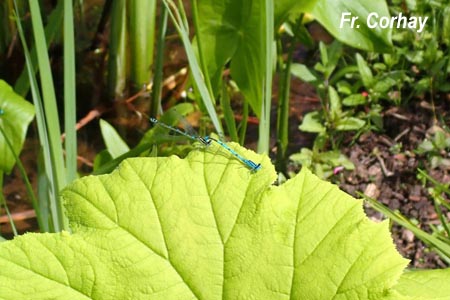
x=264, y=125
x=159, y=63
x=283, y=105
x=23, y=173
x=3, y=203
x=244, y=123
x=141, y=29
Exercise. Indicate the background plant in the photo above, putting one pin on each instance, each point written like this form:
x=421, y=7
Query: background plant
x=353, y=98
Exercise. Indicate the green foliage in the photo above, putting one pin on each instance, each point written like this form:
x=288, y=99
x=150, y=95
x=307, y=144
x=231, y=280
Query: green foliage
x=16, y=116
x=323, y=163
x=199, y=73
x=353, y=90
x=352, y=96
x=5, y=23
x=337, y=115
x=436, y=148
x=245, y=28
x=47, y=118
x=420, y=284
x=131, y=45
x=117, y=150
x=141, y=24
x=329, y=14
x=115, y=145
x=438, y=241
x=206, y=227
x=52, y=32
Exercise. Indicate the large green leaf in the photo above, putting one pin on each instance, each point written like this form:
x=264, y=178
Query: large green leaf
x=286, y=8
x=204, y=227
x=219, y=25
x=427, y=284
x=15, y=115
x=329, y=14
x=232, y=29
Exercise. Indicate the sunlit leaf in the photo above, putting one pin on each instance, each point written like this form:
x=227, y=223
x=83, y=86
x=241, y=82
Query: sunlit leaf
x=205, y=227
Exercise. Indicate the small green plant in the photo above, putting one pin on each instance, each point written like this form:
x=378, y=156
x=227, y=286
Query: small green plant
x=324, y=164
x=436, y=148
x=354, y=90
x=333, y=120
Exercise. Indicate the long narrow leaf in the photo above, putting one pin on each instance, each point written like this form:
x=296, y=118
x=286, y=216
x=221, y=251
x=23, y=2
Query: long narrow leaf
x=53, y=27
x=51, y=111
x=159, y=63
x=70, y=106
x=195, y=68
x=199, y=40
x=42, y=130
x=444, y=249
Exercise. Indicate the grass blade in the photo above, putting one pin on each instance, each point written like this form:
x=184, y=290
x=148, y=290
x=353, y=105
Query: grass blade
x=159, y=63
x=53, y=27
x=193, y=63
x=432, y=241
x=70, y=106
x=51, y=111
x=53, y=192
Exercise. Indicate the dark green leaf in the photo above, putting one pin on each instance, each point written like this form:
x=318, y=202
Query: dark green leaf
x=17, y=113
x=364, y=71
